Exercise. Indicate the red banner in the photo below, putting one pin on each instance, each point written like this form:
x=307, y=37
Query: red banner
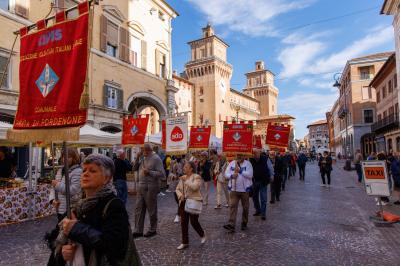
x=134, y=130
x=164, y=135
x=52, y=73
x=278, y=135
x=238, y=138
x=199, y=138
x=257, y=142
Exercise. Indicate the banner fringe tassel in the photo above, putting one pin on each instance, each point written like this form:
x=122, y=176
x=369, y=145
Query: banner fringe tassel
x=46, y=135
x=84, y=101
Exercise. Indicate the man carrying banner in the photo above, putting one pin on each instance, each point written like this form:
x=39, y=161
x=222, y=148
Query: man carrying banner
x=239, y=173
x=122, y=166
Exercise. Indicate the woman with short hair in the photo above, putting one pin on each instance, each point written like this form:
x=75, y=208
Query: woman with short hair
x=189, y=189
x=100, y=224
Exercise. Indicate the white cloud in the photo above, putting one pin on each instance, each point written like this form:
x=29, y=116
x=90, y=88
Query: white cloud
x=251, y=17
x=306, y=108
x=378, y=36
x=302, y=55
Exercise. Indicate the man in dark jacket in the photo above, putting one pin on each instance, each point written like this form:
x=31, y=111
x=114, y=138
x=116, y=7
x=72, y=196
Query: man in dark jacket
x=277, y=176
x=122, y=166
x=325, y=166
x=301, y=161
x=262, y=171
x=285, y=159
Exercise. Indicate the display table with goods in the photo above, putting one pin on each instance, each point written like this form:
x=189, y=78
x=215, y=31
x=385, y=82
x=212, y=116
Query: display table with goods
x=18, y=204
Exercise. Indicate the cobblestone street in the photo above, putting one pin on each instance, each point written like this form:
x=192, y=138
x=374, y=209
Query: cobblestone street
x=312, y=225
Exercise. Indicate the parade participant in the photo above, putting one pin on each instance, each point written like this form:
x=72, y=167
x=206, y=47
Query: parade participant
x=222, y=182
x=302, y=161
x=357, y=163
x=122, y=166
x=262, y=172
x=189, y=189
x=74, y=171
x=6, y=164
x=151, y=172
x=293, y=163
x=204, y=170
x=325, y=166
x=100, y=223
x=176, y=172
x=278, y=176
x=240, y=174
x=285, y=158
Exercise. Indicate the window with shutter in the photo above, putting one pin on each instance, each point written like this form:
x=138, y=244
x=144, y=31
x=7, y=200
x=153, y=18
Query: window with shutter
x=113, y=97
x=120, y=95
x=124, y=45
x=4, y=71
x=144, y=54
x=21, y=8
x=103, y=33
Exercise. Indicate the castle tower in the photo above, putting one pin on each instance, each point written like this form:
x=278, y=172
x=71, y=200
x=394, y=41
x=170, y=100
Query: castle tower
x=210, y=72
x=260, y=85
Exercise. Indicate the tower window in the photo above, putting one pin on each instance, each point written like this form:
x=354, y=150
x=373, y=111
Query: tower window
x=201, y=91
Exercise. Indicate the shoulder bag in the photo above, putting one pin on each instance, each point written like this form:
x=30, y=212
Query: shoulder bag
x=192, y=206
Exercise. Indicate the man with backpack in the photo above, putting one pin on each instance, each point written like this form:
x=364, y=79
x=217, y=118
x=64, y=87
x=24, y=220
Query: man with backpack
x=262, y=172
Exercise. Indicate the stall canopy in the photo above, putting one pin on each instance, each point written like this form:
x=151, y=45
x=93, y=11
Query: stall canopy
x=94, y=137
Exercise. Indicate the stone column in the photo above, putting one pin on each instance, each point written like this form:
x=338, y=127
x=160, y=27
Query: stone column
x=171, y=90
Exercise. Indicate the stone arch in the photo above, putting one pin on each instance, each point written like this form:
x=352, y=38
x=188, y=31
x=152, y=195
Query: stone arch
x=141, y=100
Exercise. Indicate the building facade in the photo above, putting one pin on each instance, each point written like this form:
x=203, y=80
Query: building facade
x=357, y=103
x=214, y=101
x=318, y=135
x=130, y=66
x=386, y=127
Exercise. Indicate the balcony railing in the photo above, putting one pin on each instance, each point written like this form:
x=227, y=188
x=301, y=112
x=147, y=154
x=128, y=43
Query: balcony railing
x=385, y=124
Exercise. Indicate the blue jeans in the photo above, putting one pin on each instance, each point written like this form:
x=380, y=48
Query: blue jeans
x=122, y=189
x=260, y=198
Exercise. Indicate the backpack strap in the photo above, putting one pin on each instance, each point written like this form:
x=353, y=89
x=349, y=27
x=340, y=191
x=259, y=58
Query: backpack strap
x=107, y=206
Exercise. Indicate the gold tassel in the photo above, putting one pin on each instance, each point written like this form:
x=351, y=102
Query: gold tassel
x=46, y=135
x=84, y=102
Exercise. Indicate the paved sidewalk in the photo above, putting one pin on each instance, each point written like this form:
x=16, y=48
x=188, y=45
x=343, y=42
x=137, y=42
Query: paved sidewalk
x=312, y=225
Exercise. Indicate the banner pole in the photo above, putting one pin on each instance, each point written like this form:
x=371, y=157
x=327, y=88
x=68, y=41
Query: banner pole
x=66, y=176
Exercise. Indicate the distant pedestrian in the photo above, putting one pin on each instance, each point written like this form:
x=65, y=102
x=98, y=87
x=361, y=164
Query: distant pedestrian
x=151, y=172
x=357, y=163
x=278, y=176
x=189, y=189
x=286, y=158
x=122, y=166
x=325, y=167
x=240, y=173
x=176, y=172
x=262, y=172
x=302, y=161
x=395, y=167
x=372, y=156
x=204, y=170
x=222, y=182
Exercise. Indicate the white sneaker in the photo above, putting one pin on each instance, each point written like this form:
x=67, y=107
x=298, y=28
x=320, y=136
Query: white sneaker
x=161, y=194
x=226, y=205
x=383, y=203
x=168, y=191
x=182, y=246
x=203, y=239
x=323, y=185
x=177, y=219
x=217, y=207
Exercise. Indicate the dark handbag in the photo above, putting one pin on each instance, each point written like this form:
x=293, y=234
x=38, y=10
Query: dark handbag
x=131, y=256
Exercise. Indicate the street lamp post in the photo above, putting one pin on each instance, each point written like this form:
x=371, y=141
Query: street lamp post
x=337, y=84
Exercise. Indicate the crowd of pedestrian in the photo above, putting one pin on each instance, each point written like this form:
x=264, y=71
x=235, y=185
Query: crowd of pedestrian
x=98, y=231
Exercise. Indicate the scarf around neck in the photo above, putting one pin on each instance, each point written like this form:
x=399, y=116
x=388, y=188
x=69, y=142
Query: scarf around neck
x=88, y=203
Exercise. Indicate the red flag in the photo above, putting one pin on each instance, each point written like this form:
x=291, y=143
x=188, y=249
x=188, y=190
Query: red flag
x=257, y=142
x=278, y=135
x=199, y=138
x=238, y=138
x=164, y=135
x=52, y=73
x=134, y=130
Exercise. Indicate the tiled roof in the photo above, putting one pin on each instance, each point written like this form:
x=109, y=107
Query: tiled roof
x=372, y=56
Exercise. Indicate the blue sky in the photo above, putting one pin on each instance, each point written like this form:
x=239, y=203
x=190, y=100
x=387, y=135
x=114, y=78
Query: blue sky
x=304, y=58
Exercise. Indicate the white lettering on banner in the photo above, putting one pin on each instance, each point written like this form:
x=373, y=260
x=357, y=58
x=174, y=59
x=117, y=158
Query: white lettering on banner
x=177, y=134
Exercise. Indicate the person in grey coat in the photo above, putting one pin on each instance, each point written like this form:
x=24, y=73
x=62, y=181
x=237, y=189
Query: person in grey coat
x=151, y=172
x=75, y=171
